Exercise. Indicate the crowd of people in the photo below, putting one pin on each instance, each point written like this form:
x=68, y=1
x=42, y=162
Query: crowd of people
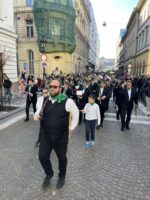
x=73, y=99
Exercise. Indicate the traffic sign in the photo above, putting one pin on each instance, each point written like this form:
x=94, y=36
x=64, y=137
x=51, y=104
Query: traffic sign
x=44, y=64
x=25, y=66
x=43, y=57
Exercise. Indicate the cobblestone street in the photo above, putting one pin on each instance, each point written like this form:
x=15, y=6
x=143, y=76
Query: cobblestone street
x=117, y=168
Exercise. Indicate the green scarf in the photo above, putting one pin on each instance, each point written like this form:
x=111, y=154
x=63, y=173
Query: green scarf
x=92, y=103
x=59, y=98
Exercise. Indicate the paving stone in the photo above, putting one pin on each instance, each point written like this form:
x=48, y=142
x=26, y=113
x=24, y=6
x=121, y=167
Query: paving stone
x=117, y=168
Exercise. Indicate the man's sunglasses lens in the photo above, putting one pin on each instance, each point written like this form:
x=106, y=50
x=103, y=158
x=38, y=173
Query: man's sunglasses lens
x=53, y=86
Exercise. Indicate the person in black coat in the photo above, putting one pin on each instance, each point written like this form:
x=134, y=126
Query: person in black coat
x=129, y=96
x=94, y=87
x=7, y=86
x=80, y=104
x=118, y=92
x=31, y=91
x=67, y=91
x=103, y=100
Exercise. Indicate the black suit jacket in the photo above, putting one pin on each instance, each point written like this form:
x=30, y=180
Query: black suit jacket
x=104, y=103
x=34, y=90
x=125, y=102
x=68, y=92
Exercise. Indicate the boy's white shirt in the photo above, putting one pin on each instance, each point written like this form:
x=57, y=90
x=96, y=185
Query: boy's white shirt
x=92, y=112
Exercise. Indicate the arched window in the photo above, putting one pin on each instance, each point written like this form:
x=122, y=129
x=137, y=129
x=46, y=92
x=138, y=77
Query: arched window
x=31, y=61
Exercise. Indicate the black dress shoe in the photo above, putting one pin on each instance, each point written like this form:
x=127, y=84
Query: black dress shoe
x=27, y=119
x=127, y=127
x=46, y=182
x=122, y=129
x=101, y=125
x=60, y=182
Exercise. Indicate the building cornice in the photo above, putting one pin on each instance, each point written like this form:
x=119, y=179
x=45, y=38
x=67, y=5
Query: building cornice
x=142, y=51
x=8, y=33
x=140, y=5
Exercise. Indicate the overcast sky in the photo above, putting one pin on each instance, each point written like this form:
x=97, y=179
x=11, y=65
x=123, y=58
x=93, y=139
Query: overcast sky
x=116, y=13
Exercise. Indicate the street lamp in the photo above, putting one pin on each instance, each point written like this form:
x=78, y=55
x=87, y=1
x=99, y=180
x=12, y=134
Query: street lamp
x=104, y=24
x=43, y=43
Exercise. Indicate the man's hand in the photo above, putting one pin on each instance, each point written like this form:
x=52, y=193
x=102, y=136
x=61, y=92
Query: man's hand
x=36, y=117
x=31, y=94
x=103, y=97
x=98, y=127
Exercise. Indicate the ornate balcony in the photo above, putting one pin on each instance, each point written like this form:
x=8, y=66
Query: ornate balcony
x=55, y=21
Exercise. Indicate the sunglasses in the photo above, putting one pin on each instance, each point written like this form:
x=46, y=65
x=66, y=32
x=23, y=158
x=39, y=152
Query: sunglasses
x=54, y=86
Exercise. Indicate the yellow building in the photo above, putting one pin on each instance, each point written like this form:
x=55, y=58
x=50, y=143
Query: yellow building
x=28, y=51
x=142, y=58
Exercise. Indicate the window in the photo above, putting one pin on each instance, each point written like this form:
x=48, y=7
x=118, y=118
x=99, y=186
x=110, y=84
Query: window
x=52, y=1
x=146, y=35
x=57, y=27
x=29, y=26
x=29, y=2
x=142, y=42
x=136, y=44
x=31, y=61
x=64, y=2
x=139, y=46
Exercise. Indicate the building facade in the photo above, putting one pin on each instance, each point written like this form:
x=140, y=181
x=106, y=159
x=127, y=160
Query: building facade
x=142, y=58
x=28, y=51
x=106, y=64
x=134, y=49
x=97, y=52
x=8, y=57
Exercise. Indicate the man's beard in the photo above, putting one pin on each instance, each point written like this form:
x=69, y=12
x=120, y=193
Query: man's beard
x=56, y=94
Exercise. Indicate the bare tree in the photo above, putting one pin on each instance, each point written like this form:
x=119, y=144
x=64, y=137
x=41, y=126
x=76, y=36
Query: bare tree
x=3, y=60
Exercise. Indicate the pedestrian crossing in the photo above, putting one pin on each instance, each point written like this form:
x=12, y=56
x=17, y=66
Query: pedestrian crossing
x=135, y=119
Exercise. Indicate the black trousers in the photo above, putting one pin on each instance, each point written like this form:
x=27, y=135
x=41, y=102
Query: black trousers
x=118, y=111
x=40, y=131
x=59, y=145
x=125, y=117
x=102, y=112
x=80, y=117
x=28, y=103
x=90, y=130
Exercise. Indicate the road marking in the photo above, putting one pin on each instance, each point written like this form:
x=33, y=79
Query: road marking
x=132, y=121
x=132, y=116
x=143, y=108
x=12, y=121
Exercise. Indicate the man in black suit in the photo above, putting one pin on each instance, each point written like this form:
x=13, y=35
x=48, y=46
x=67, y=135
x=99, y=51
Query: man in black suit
x=128, y=98
x=94, y=87
x=31, y=91
x=67, y=91
x=103, y=100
